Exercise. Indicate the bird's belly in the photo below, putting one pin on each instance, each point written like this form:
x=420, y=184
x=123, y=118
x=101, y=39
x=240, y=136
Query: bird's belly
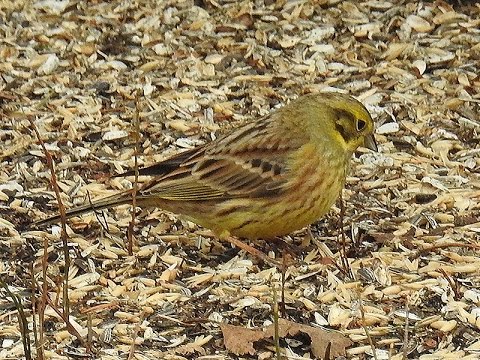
x=303, y=200
x=268, y=218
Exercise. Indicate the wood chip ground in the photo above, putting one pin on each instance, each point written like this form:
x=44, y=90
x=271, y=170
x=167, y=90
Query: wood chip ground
x=200, y=68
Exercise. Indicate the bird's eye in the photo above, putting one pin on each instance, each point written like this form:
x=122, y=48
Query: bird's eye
x=361, y=124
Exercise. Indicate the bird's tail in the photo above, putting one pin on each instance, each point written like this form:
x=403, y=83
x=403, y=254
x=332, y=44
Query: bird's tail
x=108, y=202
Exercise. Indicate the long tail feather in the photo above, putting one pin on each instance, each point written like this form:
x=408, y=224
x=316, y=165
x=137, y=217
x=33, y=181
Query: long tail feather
x=108, y=202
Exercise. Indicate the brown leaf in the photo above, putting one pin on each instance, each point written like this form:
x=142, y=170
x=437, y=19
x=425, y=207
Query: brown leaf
x=240, y=341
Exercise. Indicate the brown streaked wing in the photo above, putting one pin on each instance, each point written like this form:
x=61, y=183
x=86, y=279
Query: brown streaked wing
x=222, y=177
x=250, y=162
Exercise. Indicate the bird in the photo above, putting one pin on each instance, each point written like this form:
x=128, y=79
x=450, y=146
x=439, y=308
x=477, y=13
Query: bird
x=265, y=179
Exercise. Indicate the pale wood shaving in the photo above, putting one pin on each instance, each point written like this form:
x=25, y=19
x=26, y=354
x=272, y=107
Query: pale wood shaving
x=201, y=68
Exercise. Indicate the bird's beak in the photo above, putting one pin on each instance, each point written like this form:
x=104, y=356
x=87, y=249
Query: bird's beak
x=370, y=142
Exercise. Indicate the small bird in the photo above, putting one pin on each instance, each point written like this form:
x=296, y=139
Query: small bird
x=265, y=179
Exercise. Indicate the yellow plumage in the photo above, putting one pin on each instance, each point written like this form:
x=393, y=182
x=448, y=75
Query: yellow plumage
x=265, y=179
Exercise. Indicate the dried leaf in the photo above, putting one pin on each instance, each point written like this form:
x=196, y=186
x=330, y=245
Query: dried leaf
x=240, y=341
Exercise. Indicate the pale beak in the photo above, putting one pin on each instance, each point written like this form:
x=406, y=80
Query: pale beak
x=370, y=142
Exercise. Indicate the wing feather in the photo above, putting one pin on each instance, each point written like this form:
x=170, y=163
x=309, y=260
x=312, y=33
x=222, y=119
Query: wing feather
x=250, y=162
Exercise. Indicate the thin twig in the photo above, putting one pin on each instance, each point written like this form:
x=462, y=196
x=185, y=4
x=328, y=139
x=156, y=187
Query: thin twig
x=43, y=297
x=131, y=225
x=405, y=335
x=275, y=323
x=343, y=253
x=22, y=321
x=131, y=354
x=61, y=208
x=367, y=333
x=284, y=270
x=90, y=332
x=70, y=328
x=65, y=314
x=452, y=284
x=100, y=215
x=33, y=287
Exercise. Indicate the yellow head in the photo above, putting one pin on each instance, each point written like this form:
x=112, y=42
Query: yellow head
x=342, y=119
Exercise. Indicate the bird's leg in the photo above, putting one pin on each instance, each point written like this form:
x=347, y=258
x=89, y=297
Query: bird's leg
x=291, y=251
x=225, y=236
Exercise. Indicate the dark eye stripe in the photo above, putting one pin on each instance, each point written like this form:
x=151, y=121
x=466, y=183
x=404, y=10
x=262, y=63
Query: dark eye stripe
x=343, y=114
x=346, y=136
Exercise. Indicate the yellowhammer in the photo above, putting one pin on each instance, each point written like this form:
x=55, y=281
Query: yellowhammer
x=267, y=178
